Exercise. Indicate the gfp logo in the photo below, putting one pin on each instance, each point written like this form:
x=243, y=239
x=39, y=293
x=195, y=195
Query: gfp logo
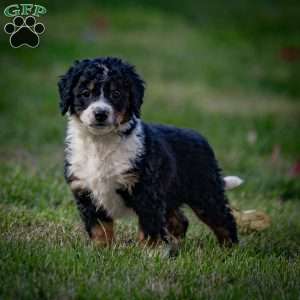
x=24, y=30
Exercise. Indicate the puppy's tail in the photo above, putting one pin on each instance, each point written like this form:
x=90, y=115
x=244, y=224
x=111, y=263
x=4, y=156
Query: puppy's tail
x=232, y=182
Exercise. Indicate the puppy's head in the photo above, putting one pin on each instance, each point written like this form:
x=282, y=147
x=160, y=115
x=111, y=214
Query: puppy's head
x=102, y=93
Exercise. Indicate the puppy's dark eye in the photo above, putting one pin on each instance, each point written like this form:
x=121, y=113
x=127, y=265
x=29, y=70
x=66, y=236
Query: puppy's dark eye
x=85, y=93
x=116, y=94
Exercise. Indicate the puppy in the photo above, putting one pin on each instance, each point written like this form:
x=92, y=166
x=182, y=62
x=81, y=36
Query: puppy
x=117, y=165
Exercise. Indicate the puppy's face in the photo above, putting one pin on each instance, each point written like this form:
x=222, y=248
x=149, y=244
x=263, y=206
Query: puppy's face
x=101, y=100
x=102, y=94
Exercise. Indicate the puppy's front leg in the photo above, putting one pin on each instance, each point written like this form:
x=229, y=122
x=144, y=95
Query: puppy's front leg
x=97, y=223
x=152, y=229
x=153, y=223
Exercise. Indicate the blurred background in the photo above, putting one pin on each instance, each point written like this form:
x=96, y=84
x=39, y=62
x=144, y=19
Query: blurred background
x=229, y=69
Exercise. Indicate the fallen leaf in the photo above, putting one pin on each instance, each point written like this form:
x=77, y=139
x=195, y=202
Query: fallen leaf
x=251, y=220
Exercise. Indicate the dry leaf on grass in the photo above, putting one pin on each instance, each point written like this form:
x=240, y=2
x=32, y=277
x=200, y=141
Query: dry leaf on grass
x=251, y=220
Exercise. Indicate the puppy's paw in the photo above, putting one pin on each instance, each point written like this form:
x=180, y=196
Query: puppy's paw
x=172, y=251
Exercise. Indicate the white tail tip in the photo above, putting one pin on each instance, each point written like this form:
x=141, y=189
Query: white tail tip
x=232, y=182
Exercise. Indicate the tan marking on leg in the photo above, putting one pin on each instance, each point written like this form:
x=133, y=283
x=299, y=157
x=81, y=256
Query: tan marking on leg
x=177, y=224
x=103, y=233
x=141, y=235
x=221, y=232
x=149, y=242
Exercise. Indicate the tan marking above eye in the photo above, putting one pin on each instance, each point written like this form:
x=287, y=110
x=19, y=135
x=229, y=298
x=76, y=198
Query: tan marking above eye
x=91, y=85
x=77, y=87
x=103, y=233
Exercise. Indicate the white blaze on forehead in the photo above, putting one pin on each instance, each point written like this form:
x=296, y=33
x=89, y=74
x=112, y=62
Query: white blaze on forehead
x=105, y=68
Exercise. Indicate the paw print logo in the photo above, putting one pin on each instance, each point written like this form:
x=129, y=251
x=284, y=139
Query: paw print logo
x=24, y=32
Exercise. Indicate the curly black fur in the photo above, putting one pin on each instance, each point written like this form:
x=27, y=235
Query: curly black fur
x=179, y=167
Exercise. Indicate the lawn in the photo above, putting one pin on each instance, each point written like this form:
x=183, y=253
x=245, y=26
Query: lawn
x=229, y=69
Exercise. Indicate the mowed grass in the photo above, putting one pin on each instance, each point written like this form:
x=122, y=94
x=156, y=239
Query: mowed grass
x=217, y=68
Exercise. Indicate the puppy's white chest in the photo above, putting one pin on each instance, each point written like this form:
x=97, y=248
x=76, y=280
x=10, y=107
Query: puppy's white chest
x=103, y=174
x=103, y=166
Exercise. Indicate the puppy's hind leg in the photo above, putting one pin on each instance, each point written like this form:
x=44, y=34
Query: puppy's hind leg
x=217, y=215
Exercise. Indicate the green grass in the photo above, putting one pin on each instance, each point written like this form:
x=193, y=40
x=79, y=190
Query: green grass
x=214, y=67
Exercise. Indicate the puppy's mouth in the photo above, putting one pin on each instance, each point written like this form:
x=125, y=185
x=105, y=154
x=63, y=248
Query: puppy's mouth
x=102, y=128
x=102, y=124
x=99, y=125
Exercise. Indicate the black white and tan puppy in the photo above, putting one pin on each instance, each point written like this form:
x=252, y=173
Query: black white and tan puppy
x=117, y=165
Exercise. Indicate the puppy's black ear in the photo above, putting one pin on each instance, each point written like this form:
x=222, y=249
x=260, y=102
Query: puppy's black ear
x=64, y=92
x=137, y=89
x=65, y=87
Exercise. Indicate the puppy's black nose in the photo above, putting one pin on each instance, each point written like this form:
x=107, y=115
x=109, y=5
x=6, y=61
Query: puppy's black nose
x=100, y=114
